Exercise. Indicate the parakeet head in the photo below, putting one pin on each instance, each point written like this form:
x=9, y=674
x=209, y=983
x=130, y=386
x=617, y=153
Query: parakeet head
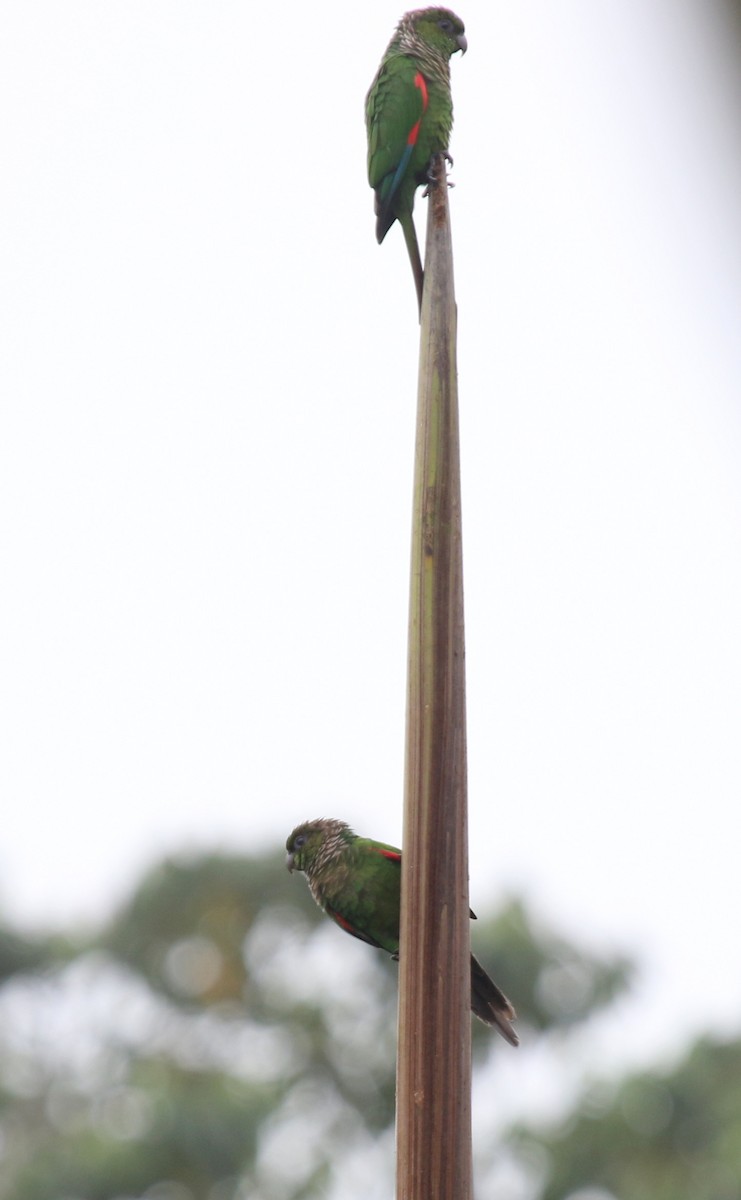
x=439, y=28
x=315, y=842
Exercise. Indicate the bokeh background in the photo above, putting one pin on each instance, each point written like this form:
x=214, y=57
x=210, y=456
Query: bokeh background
x=207, y=395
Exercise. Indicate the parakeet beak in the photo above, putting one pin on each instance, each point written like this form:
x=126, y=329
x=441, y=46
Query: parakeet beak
x=289, y=863
x=462, y=43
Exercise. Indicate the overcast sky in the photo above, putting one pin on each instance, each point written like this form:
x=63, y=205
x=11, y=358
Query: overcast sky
x=207, y=395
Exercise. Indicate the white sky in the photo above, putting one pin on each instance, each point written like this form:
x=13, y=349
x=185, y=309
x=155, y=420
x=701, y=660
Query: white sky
x=207, y=393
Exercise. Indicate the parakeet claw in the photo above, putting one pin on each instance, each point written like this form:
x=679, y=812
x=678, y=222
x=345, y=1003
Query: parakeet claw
x=431, y=177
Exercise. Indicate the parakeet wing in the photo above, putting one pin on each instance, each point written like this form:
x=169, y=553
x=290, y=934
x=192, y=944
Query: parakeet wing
x=352, y=927
x=369, y=908
x=395, y=105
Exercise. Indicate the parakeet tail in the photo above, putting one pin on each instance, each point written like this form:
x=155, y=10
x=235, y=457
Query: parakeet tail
x=490, y=1004
x=410, y=237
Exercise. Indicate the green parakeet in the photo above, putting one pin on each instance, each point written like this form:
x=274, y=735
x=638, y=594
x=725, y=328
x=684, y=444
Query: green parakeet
x=357, y=882
x=408, y=116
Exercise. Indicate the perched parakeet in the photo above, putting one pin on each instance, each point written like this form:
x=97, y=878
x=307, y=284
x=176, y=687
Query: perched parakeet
x=408, y=116
x=358, y=884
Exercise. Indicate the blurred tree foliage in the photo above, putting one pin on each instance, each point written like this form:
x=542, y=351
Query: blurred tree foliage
x=220, y=1039
x=654, y=1136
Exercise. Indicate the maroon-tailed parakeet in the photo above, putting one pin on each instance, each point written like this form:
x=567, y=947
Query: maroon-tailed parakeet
x=357, y=882
x=408, y=116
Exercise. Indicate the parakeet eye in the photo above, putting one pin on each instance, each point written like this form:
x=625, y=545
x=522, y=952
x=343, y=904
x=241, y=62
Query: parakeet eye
x=299, y=841
x=446, y=25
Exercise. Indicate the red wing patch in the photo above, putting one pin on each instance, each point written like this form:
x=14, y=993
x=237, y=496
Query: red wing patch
x=421, y=83
x=349, y=927
x=341, y=921
x=392, y=855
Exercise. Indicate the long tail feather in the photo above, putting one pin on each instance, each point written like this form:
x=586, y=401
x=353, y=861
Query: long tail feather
x=410, y=237
x=490, y=1004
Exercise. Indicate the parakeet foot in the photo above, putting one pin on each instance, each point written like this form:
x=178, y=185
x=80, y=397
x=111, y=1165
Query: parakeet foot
x=431, y=176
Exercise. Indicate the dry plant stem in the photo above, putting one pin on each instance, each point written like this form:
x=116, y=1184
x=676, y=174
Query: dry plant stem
x=434, y=1055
